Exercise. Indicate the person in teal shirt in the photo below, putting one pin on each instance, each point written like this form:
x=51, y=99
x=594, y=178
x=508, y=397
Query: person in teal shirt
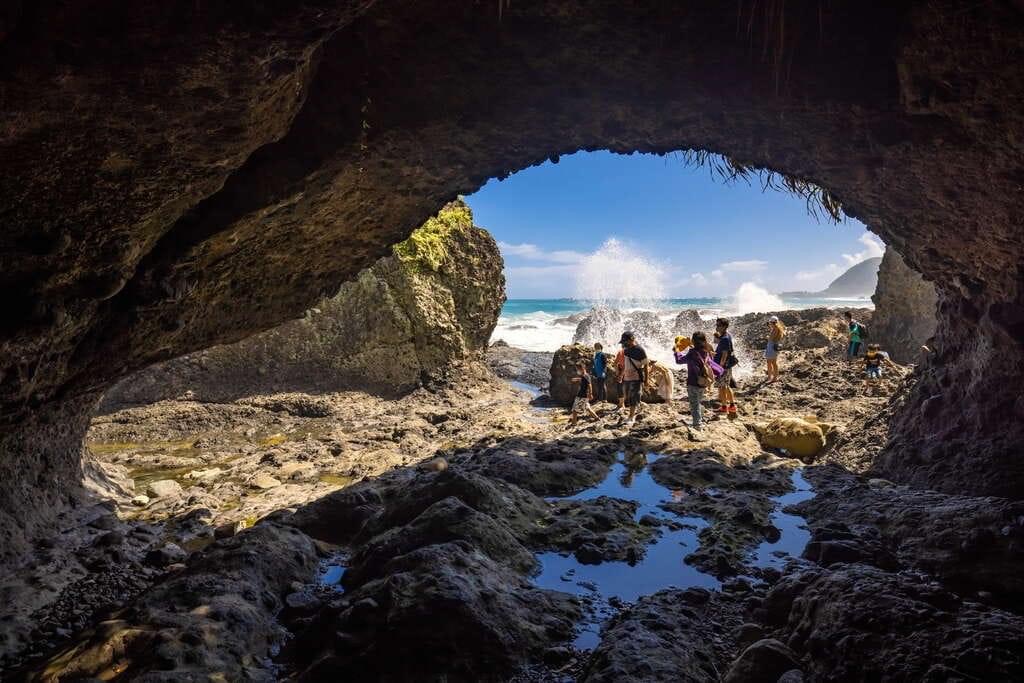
x=855, y=336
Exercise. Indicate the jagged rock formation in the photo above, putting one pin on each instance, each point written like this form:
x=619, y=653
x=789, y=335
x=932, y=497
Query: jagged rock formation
x=215, y=169
x=404, y=321
x=905, y=312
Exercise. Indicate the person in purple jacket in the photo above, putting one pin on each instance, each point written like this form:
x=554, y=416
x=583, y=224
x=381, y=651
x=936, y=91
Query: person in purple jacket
x=698, y=375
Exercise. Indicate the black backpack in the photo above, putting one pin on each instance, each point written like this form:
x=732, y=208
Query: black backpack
x=863, y=330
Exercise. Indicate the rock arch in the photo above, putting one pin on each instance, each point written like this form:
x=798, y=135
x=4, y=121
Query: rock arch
x=180, y=174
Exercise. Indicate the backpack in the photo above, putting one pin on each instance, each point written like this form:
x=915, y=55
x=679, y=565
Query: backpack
x=863, y=330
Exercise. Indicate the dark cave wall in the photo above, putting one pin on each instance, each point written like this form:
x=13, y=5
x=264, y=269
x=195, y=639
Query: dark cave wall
x=182, y=174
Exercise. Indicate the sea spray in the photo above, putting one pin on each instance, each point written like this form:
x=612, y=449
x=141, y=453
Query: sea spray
x=752, y=298
x=617, y=276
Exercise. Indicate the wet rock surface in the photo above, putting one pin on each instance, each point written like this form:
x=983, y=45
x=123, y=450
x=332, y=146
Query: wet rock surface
x=482, y=539
x=529, y=367
x=858, y=622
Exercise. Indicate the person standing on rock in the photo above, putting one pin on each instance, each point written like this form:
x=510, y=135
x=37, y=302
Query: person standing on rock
x=599, y=371
x=698, y=375
x=634, y=374
x=620, y=367
x=856, y=336
x=725, y=355
x=585, y=394
x=776, y=330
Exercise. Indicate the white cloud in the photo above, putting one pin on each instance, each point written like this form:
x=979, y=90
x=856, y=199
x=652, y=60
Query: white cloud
x=873, y=247
x=744, y=266
x=698, y=279
x=532, y=252
x=829, y=272
x=717, y=274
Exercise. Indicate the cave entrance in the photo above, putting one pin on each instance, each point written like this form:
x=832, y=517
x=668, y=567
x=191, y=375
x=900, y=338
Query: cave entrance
x=666, y=232
x=260, y=178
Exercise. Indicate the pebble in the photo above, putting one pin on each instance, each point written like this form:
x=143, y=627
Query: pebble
x=140, y=500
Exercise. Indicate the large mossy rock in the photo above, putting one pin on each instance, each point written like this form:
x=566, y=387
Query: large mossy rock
x=404, y=321
x=802, y=438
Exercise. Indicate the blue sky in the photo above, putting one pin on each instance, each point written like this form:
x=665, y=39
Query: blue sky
x=697, y=236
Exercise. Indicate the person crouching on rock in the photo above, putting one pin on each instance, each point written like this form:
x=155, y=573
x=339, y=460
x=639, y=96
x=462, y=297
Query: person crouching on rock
x=698, y=375
x=583, y=397
x=599, y=371
x=776, y=331
x=634, y=375
x=873, y=360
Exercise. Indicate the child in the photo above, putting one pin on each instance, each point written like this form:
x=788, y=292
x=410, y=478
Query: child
x=582, y=403
x=873, y=360
x=599, y=370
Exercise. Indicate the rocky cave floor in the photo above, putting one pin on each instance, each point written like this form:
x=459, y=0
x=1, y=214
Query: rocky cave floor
x=466, y=533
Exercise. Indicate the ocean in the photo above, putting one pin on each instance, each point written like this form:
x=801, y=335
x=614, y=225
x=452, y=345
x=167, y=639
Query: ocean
x=545, y=324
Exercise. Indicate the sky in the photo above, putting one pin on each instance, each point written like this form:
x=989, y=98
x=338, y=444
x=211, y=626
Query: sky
x=673, y=227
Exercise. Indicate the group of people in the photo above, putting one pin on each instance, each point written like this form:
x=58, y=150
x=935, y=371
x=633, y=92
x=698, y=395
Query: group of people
x=706, y=364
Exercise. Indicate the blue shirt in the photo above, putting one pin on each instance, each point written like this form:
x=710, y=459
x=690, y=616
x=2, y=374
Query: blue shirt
x=599, y=364
x=724, y=344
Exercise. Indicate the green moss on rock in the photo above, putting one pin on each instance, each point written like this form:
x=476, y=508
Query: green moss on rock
x=425, y=248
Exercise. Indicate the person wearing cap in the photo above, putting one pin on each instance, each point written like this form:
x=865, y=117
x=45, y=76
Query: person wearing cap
x=776, y=331
x=634, y=373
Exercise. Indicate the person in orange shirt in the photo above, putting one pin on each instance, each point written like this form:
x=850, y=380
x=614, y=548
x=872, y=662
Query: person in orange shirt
x=620, y=368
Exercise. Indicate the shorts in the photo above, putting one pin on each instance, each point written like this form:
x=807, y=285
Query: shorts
x=723, y=380
x=853, y=349
x=579, y=406
x=875, y=373
x=631, y=390
x=771, y=352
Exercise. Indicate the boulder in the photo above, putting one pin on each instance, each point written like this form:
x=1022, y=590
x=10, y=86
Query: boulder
x=166, y=555
x=164, y=488
x=688, y=322
x=763, y=662
x=798, y=436
x=563, y=390
x=815, y=335
x=600, y=325
x=264, y=482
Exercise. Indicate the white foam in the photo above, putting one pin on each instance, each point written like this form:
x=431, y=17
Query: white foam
x=752, y=298
x=617, y=274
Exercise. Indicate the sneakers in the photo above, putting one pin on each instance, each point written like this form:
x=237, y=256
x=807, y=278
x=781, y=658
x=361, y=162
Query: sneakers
x=630, y=423
x=732, y=409
x=723, y=409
